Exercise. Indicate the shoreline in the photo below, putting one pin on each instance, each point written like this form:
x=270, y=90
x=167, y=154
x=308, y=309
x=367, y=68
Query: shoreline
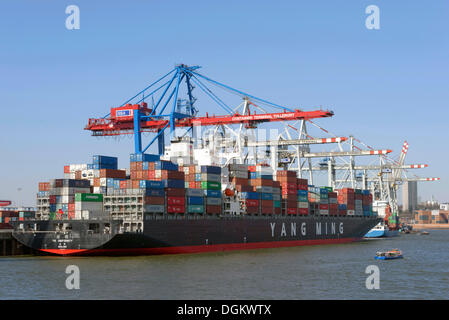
x=420, y=226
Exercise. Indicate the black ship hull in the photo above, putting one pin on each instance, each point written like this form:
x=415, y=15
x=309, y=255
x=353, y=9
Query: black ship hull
x=183, y=235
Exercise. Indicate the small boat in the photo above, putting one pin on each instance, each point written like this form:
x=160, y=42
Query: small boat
x=389, y=255
x=424, y=233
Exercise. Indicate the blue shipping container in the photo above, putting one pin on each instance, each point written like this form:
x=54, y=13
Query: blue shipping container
x=211, y=169
x=155, y=192
x=137, y=157
x=150, y=184
x=303, y=193
x=177, y=184
x=166, y=165
x=195, y=200
x=250, y=195
x=266, y=196
x=213, y=193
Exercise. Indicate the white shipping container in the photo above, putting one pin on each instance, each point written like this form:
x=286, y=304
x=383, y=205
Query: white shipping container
x=324, y=212
x=154, y=208
x=303, y=205
x=238, y=168
x=211, y=177
x=103, y=182
x=195, y=192
x=238, y=174
x=264, y=189
x=95, y=206
x=350, y=212
x=213, y=201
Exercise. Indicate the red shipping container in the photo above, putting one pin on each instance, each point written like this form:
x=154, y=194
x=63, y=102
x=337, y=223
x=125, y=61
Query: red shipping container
x=172, y=192
x=288, y=185
x=66, y=169
x=135, y=184
x=178, y=201
x=155, y=200
x=266, y=203
x=289, y=192
x=302, y=187
x=347, y=190
x=139, y=166
x=303, y=182
x=261, y=182
x=252, y=210
x=286, y=173
x=303, y=211
x=290, y=204
x=350, y=206
x=332, y=195
x=175, y=175
x=213, y=209
x=52, y=200
x=175, y=209
x=266, y=210
x=240, y=181
x=324, y=206
x=252, y=203
x=133, y=166
x=292, y=211
x=111, y=173
x=277, y=210
x=44, y=186
x=123, y=184
x=276, y=184
x=290, y=197
x=342, y=212
x=287, y=179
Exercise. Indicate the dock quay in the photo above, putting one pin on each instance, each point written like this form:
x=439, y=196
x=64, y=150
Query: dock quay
x=10, y=246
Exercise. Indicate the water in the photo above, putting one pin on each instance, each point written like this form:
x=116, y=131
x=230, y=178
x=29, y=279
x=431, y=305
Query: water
x=314, y=272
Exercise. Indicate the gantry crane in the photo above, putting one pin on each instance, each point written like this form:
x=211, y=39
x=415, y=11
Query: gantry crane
x=233, y=137
x=135, y=116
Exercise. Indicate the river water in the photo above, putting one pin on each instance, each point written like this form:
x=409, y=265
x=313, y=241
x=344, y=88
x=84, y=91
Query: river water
x=309, y=272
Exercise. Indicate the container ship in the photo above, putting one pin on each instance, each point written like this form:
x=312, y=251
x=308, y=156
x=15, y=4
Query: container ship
x=211, y=193
x=163, y=207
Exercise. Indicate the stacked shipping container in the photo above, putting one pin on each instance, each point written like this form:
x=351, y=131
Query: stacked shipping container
x=289, y=191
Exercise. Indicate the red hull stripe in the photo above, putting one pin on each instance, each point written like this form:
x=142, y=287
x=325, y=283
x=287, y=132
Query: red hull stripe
x=198, y=249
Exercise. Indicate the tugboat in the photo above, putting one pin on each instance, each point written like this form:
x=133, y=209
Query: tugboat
x=389, y=255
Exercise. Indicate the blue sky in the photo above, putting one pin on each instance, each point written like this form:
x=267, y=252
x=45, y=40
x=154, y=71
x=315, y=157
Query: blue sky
x=385, y=86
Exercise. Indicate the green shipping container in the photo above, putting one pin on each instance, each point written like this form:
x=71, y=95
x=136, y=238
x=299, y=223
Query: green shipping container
x=209, y=185
x=193, y=208
x=52, y=215
x=89, y=197
x=276, y=204
x=330, y=189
